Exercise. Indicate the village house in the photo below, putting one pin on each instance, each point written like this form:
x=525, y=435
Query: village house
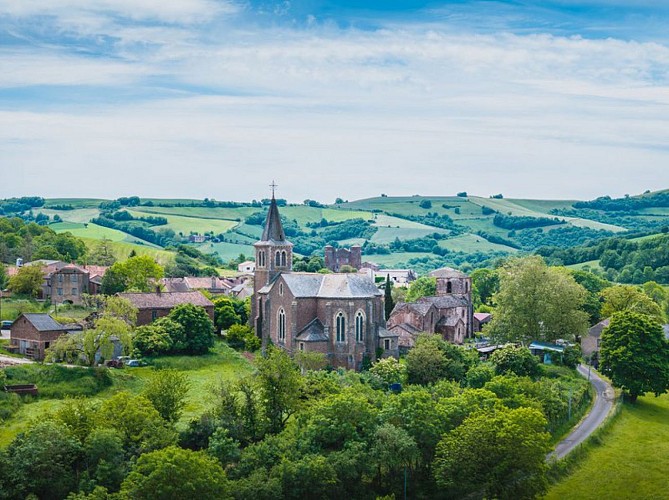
x=449, y=313
x=32, y=333
x=480, y=320
x=339, y=315
x=247, y=267
x=154, y=305
x=590, y=343
x=65, y=283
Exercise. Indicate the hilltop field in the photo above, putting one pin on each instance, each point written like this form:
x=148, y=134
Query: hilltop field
x=418, y=231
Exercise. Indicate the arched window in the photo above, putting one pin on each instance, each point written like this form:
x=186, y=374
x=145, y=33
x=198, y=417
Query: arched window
x=282, y=325
x=359, y=327
x=449, y=287
x=283, y=258
x=277, y=258
x=340, y=321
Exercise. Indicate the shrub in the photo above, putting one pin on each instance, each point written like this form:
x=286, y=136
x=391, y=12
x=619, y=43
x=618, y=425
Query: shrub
x=151, y=340
x=479, y=375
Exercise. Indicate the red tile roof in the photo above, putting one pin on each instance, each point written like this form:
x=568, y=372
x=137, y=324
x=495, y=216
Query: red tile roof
x=166, y=300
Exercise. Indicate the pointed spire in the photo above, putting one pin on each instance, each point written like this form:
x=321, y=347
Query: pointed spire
x=273, y=229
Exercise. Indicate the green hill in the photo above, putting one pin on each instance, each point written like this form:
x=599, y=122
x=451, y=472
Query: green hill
x=442, y=229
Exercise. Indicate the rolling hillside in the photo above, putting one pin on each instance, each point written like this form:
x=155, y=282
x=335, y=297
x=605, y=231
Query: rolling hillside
x=409, y=230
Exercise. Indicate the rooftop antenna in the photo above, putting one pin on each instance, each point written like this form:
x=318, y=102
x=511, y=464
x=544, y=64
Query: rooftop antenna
x=273, y=185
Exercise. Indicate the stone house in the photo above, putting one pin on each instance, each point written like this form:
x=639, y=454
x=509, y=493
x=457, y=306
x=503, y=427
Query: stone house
x=31, y=334
x=339, y=315
x=154, y=305
x=449, y=313
x=335, y=258
x=591, y=341
x=213, y=284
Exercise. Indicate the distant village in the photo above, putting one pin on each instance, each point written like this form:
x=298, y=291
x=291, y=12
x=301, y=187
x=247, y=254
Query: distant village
x=341, y=313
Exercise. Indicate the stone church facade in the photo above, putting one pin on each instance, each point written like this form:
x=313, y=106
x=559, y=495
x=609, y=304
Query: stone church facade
x=339, y=315
x=449, y=313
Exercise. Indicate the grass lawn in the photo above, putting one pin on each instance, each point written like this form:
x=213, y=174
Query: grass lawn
x=630, y=462
x=88, y=230
x=203, y=372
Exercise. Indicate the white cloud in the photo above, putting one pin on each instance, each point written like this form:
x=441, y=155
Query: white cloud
x=333, y=112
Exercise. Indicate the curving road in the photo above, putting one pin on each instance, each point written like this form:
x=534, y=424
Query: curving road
x=604, y=397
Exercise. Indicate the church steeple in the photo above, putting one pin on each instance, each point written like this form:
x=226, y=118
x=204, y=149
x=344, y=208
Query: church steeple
x=274, y=254
x=273, y=229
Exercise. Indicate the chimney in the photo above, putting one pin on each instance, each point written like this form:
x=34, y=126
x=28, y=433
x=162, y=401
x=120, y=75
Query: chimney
x=158, y=289
x=213, y=282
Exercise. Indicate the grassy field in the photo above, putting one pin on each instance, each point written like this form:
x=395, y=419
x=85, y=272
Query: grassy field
x=470, y=243
x=80, y=215
x=227, y=250
x=74, y=202
x=203, y=372
x=11, y=308
x=630, y=462
x=592, y=264
x=185, y=224
x=236, y=214
x=122, y=250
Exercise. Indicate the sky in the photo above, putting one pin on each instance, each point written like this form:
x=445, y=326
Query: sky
x=559, y=99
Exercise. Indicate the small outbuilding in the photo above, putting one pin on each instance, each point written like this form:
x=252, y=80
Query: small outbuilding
x=32, y=333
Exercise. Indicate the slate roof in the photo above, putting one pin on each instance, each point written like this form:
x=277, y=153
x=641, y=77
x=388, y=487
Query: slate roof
x=596, y=331
x=447, y=272
x=449, y=321
x=335, y=286
x=43, y=322
x=313, y=332
x=384, y=334
x=164, y=300
x=446, y=301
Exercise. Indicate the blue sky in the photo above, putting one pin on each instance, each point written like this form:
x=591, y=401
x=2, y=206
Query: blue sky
x=209, y=98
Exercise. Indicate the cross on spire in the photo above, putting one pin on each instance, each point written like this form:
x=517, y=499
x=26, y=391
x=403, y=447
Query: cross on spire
x=273, y=185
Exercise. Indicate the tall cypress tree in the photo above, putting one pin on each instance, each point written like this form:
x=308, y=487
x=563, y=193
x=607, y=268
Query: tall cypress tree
x=389, y=303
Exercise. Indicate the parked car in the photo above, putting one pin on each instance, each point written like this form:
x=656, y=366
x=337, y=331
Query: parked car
x=6, y=324
x=133, y=363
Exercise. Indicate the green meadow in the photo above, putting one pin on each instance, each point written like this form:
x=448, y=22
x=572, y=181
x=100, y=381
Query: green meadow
x=57, y=383
x=629, y=460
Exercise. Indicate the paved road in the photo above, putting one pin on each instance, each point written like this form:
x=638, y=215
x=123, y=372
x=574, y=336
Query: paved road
x=604, y=398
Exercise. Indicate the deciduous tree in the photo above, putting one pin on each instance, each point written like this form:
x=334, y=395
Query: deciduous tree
x=537, y=302
x=629, y=298
x=27, y=281
x=167, y=392
x=635, y=354
x=500, y=454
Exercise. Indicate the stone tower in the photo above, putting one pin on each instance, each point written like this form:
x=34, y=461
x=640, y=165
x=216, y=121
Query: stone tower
x=274, y=255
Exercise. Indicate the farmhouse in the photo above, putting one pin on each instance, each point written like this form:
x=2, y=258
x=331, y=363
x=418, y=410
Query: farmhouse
x=449, y=313
x=31, y=334
x=339, y=315
x=154, y=305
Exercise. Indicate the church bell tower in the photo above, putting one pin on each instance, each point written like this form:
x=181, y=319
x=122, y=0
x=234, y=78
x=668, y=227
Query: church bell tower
x=274, y=255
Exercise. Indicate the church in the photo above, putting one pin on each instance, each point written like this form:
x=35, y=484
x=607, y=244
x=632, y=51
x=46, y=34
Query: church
x=339, y=315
